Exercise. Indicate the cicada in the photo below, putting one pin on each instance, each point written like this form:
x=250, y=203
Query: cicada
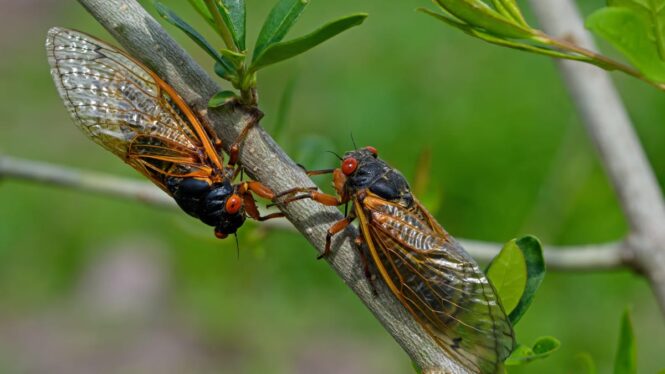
x=127, y=109
x=425, y=268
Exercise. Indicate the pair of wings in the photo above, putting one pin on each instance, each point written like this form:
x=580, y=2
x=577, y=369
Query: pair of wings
x=127, y=109
x=437, y=281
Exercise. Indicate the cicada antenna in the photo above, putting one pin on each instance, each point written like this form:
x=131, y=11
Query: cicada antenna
x=237, y=246
x=353, y=141
x=336, y=155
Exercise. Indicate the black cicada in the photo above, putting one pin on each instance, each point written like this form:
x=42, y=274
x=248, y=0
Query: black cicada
x=127, y=109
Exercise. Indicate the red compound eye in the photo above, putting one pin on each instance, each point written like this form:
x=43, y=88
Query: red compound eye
x=349, y=165
x=373, y=150
x=233, y=204
x=220, y=235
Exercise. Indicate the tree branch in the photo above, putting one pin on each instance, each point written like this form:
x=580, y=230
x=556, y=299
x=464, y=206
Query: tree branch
x=99, y=183
x=595, y=257
x=264, y=160
x=615, y=139
x=591, y=257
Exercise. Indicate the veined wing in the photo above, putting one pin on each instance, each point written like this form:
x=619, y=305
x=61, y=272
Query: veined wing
x=438, y=282
x=127, y=109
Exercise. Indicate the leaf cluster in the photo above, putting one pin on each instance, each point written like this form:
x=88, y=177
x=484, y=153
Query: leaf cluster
x=634, y=27
x=233, y=62
x=516, y=273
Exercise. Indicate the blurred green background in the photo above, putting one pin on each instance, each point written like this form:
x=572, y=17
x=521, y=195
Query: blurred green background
x=93, y=284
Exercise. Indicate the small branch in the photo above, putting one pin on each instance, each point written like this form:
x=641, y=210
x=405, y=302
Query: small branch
x=620, y=151
x=265, y=161
x=594, y=58
x=596, y=257
x=592, y=257
x=102, y=184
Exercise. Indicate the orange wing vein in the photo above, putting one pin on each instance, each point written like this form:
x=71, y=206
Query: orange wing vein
x=123, y=106
x=437, y=281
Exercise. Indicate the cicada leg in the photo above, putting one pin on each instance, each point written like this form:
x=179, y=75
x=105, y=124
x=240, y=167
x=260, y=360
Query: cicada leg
x=317, y=172
x=307, y=193
x=234, y=149
x=325, y=199
x=253, y=211
x=336, y=228
x=300, y=193
x=247, y=189
x=210, y=130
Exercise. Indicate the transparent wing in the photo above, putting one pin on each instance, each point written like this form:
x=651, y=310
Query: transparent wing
x=119, y=103
x=439, y=283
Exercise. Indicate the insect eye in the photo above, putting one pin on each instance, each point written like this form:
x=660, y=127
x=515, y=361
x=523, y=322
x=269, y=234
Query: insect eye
x=349, y=166
x=233, y=204
x=372, y=150
x=220, y=235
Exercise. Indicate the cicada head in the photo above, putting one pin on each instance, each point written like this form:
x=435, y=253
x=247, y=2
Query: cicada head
x=362, y=166
x=363, y=169
x=223, y=208
x=229, y=224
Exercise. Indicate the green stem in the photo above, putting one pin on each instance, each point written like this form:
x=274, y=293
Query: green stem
x=249, y=97
x=595, y=58
x=248, y=87
x=221, y=26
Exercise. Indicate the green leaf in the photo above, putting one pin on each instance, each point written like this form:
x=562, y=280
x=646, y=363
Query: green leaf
x=479, y=15
x=516, y=273
x=498, y=5
x=542, y=348
x=519, y=355
x=203, y=11
x=224, y=72
x=233, y=13
x=625, y=361
x=627, y=31
x=508, y=275
x=173, y=19
x=279, y=21
x=285, y=50
x=509, y=8
x=510, y=43
x=235, y=58
x=221, y=98
x=653, y=15
x=545, y=345
x=535, y=267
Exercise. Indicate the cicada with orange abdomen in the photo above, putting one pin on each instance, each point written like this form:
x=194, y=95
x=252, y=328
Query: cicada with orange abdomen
x=127, y=109
x=428, y=271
